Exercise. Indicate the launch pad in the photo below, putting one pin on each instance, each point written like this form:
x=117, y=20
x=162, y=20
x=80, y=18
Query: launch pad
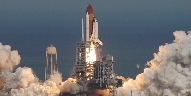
x=91, y=71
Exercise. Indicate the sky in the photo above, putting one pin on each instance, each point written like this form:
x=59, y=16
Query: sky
x=131, y=30
x=39, y=14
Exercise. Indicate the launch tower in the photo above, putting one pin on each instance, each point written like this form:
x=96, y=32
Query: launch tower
x=51, y=61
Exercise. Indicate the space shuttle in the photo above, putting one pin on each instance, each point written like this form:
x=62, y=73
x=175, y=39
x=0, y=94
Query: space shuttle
x=91, y=27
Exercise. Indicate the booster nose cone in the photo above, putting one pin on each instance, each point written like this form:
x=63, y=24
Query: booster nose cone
x=89, y=9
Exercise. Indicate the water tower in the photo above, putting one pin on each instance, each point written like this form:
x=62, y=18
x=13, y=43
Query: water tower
x=51, y=61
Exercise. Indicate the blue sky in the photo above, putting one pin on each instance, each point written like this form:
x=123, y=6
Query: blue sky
x=33, y=14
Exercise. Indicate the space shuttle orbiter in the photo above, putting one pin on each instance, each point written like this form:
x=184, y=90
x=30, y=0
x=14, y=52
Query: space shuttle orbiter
x=91, y=26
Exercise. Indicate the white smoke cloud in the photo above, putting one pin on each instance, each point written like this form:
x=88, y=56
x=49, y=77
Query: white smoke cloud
x=20, y=79
x=169, y=73
x=8, y=59
x=48, y=88
x=70, y=85
x=56, y=77
x=24, y=83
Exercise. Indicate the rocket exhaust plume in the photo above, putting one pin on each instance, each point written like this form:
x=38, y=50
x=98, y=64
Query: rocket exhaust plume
x=169, y=73
x=91, y=54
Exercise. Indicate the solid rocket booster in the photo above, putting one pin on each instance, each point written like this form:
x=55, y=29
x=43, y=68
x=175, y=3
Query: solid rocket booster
x=87, y=28
x=82, y=30
x=91, y=26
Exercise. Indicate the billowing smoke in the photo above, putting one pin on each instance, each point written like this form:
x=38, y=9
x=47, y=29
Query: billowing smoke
x=70, y=86
x=168, y=74
x=48, y=88
x=8, y=59
x=56, y=77
x=24, y=83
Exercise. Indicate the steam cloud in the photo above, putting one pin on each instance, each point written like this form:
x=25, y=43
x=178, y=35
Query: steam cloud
x=169, y=73
x=24, y=83
x=8, y=59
